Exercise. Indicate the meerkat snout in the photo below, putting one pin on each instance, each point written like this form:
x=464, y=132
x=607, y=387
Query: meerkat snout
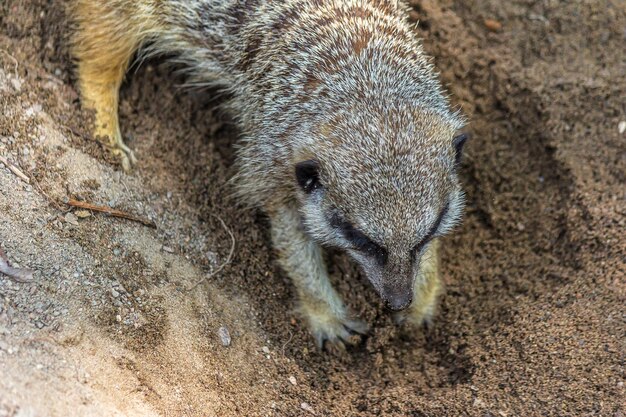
x=399, y=301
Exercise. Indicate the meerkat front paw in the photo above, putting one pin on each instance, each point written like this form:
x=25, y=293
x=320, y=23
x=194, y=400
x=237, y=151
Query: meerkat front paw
x=336, y=332
x=126, y=156
x=114, y=143
x=331, y=329
x=426, y=291
x=417, y=315
x=424, y=306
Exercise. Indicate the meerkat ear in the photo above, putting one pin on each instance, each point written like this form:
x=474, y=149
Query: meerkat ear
x=459, y=142
x=307, y=174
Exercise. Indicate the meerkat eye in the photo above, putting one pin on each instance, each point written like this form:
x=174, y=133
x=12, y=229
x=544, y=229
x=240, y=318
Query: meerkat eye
x=307, y=175
x=458, y=142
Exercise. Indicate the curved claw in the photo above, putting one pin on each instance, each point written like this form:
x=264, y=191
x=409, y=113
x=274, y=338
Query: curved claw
x=129, y=153
x=355, y=327
x=400, y=317
x=333, y=346
x=116, y=146
x=126, y=155
x=415, y=322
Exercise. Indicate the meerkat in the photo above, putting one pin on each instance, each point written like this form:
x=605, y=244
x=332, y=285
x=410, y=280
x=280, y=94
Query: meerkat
x=347, y=137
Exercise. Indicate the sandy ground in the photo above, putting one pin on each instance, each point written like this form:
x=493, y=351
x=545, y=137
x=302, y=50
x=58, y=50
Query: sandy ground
x=532, y=322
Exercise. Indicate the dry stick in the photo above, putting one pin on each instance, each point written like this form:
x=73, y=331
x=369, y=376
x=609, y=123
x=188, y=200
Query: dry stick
x=51, y=201
x=15, y=274
x=226, y=262
x=15, y=170
x=287, y=342
x=110, y=211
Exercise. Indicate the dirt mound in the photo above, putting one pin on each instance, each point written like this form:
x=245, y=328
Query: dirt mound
x=532, y=321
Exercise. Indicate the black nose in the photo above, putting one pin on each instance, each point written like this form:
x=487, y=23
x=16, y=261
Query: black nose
x=399, y=302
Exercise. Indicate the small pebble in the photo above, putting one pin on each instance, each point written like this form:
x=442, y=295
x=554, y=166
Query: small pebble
x=224, y=336
x=493, y=25
x=114, y=293
x=17, y=84
x=621, y=127
x=71, y=219
x=293, y=381
x=212, y=257
x=265, y=350
x=307, y=407
x=168, y=249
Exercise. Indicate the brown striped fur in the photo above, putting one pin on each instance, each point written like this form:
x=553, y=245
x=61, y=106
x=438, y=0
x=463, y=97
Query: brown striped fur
x=342, y=83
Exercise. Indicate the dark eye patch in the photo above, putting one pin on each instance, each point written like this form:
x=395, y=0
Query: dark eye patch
x=417, y=248
x=359, y=240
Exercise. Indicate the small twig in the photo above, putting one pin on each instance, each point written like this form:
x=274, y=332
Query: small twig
x=15, y=170
x=287, y=342
x=226, y=262
x=50, y=200
x=16, y=274
x=110, y=211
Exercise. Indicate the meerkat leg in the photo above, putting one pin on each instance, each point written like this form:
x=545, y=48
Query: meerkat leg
x=426, y=289
x=302, y=259
x=103, y=45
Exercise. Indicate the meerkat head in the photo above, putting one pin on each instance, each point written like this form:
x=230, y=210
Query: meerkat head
x=382, y=188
